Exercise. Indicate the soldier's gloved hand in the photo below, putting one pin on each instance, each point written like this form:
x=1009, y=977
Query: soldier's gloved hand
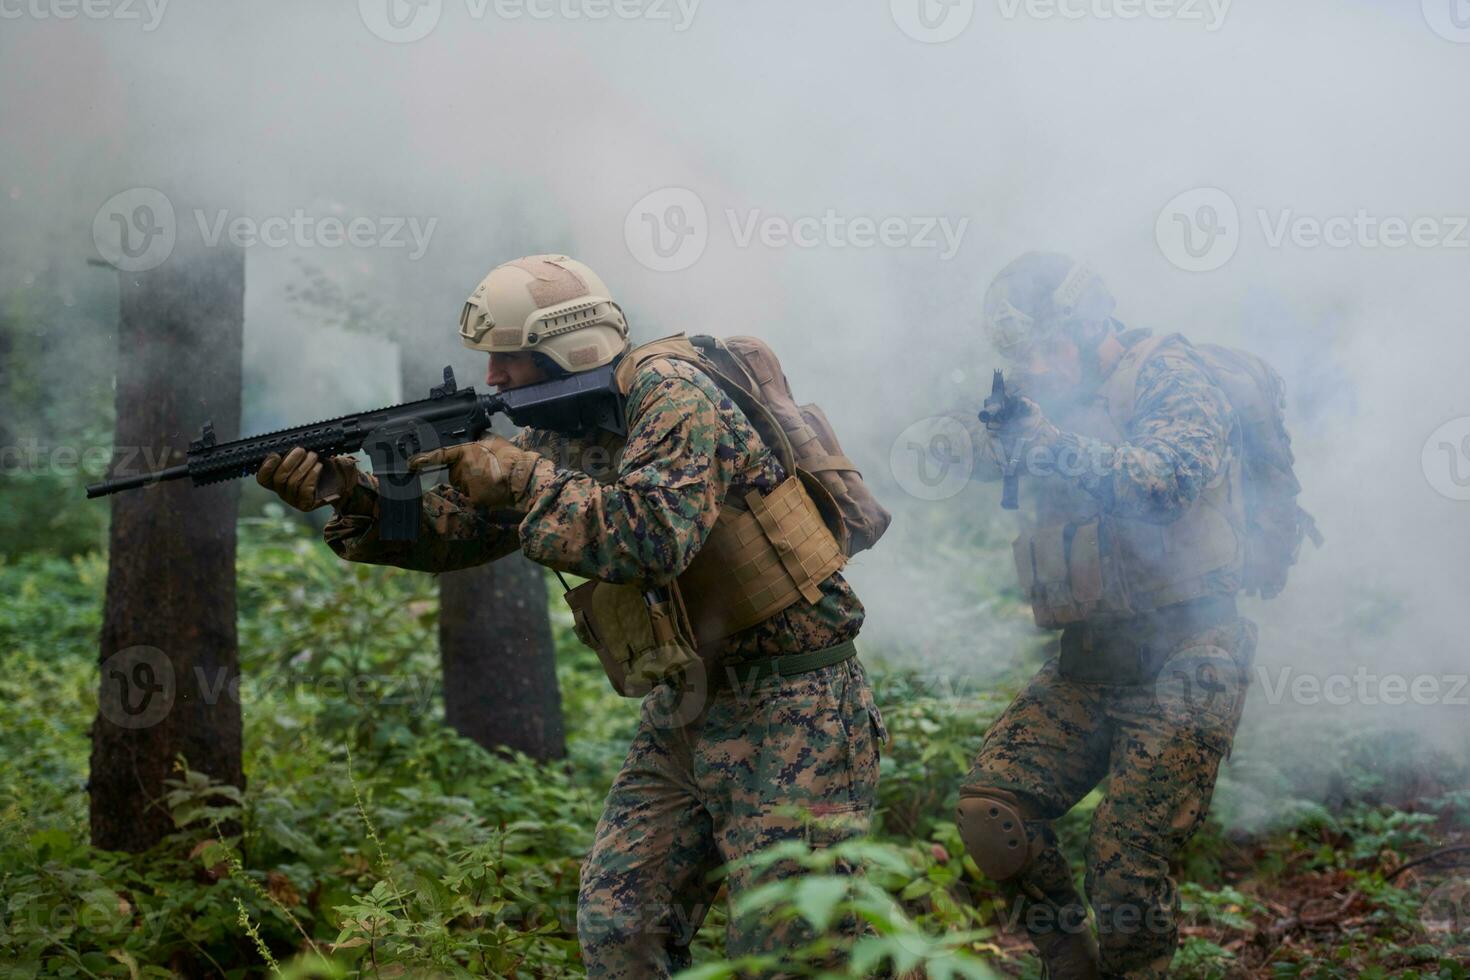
x=305, y=481
x=1029, y=425
x=492, y=472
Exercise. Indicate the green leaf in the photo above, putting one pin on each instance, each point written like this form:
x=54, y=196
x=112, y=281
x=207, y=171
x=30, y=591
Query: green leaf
x=816, y=898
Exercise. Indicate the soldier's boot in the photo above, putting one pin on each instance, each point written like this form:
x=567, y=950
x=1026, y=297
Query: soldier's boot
x=1068, y=954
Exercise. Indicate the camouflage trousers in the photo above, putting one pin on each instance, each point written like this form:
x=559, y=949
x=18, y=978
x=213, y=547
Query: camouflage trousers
x=1159, y=746
x=697, y=793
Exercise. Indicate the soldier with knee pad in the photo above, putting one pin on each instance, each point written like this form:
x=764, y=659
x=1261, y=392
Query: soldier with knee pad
x=993, y=827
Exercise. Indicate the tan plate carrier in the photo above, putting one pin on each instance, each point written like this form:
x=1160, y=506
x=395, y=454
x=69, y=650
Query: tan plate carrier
x=764, y=553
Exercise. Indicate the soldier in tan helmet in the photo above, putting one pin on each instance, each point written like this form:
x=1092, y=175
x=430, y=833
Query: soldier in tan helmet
x=722, y=759
x=1142, y=515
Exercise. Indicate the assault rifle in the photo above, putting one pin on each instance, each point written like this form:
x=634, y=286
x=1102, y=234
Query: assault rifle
x=579, y=404
x=999, y=411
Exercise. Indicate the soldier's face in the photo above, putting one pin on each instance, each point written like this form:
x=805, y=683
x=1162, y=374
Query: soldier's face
x=507, y=371
x=1051, y=372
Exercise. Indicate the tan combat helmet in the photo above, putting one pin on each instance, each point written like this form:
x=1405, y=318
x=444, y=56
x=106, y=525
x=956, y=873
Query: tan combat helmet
x=547, y=304
x=1038, y=295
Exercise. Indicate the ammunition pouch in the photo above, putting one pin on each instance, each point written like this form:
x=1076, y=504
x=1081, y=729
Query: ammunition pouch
x=1133, y=651
x=758, y=561
x=1115, y=567
x=754, y=564
x=642, y=636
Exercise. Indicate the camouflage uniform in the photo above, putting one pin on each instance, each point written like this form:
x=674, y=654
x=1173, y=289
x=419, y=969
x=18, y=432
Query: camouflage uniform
x=1158, y=744
x=692, y=794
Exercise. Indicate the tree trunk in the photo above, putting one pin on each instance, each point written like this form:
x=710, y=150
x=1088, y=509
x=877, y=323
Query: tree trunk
x=170, y=664
x=495, y=646
x=500, y=684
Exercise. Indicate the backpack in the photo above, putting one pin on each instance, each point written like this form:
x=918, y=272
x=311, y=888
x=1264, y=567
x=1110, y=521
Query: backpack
x=747, y=370
x=1275, y=523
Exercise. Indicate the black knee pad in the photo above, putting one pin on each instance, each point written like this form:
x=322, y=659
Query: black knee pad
x=993, y=828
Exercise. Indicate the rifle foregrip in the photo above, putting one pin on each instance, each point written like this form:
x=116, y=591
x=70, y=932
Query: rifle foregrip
x=1009, y=492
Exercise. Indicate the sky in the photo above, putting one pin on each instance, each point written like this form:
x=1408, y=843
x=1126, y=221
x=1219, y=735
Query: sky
x=842, y=179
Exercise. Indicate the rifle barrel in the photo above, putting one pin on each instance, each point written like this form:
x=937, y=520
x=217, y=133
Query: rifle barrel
x=134, y=482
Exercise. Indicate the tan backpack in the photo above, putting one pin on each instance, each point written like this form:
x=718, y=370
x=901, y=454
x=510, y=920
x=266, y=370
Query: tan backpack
x=753, y=365
x=747, y=369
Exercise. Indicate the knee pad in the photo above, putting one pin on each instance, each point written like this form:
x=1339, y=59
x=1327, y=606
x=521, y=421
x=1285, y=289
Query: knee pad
x=993, y=827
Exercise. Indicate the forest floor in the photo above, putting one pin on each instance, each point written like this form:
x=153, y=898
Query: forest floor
x=374, y=842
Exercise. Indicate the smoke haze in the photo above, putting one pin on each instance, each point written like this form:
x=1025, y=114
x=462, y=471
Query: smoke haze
x=506, y=135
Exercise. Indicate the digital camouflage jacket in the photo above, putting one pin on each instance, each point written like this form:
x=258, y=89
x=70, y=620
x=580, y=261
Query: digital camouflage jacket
x=637, y=512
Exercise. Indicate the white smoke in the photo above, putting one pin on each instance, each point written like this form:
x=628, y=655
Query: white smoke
x=1034, y=130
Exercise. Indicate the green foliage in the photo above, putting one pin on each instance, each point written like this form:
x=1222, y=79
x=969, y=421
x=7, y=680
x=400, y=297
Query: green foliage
x=373, y=841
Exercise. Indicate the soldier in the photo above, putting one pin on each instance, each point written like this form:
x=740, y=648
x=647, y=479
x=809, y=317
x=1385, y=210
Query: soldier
x=788, y=723
x=1134, y=548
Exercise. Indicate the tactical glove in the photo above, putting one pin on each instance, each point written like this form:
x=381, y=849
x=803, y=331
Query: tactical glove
x=306, y=482
x=1029, y=427
x=493, y=472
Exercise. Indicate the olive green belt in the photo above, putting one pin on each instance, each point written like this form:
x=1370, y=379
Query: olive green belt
x=745, y=675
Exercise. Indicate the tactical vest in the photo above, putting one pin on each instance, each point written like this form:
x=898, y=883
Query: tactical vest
x=764, y=553
x=1077, y=563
